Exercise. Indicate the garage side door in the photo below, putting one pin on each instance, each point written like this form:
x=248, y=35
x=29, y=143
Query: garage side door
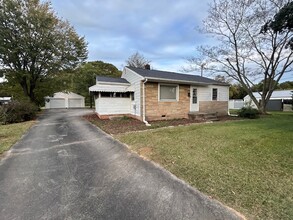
x=57, y=103
x=74, y=103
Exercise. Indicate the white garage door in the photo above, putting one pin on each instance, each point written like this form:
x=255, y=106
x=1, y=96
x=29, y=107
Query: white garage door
x=74, y=103
x=57, y=103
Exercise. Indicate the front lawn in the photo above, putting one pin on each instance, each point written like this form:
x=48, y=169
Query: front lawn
x=11, y=133
x=247, y=164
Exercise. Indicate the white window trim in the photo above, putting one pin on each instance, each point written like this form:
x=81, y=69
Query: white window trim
x=168, y=100
x=217, y=94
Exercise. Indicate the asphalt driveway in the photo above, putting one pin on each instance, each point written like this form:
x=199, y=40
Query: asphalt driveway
x=66, y=168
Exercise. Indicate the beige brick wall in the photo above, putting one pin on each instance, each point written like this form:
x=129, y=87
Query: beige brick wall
x=156, y=110
x=221, y=107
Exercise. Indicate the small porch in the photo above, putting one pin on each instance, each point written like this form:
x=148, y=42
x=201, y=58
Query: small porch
x=112, y=98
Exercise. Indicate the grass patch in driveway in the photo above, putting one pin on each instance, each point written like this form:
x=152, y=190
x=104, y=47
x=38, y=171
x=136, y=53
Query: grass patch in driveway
x=11, y=133
x=247, y=165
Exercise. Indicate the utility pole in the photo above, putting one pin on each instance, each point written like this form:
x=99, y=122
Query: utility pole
x=202, y=68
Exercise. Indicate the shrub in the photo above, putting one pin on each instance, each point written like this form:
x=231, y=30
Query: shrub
x=248, y=112
x=16, y=111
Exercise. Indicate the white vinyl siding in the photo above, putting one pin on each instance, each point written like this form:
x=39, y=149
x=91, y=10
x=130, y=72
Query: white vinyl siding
x=205, y=93
x=109, y=106
x=135, y=81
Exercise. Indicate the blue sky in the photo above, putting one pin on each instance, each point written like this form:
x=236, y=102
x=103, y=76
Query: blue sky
x=164, y=31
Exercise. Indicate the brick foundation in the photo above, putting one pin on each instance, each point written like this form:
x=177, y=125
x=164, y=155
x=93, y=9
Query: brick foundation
x=105, y=117
x=221, y=107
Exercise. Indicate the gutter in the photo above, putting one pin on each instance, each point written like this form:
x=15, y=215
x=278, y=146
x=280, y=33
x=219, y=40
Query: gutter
x=143, y=100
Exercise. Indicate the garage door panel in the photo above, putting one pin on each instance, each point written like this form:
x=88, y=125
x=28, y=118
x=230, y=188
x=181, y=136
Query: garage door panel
x=74, y=103
x=57, y=103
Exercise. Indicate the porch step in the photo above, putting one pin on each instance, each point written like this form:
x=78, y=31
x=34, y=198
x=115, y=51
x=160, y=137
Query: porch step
x=211, y=116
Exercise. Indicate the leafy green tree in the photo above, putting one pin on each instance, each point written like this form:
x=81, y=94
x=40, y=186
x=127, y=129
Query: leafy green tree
x=286, y=85
x=35, y=44
x=282, y=21
x=84, y=76
x=280, y=86
x=237, y=91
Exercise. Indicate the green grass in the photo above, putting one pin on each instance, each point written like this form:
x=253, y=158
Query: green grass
x=247, y=164
x=11, y=133
x=234, y=111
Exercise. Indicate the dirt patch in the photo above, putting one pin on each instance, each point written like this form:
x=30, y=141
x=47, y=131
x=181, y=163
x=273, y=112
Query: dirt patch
x=119, y=125
x=145, y=151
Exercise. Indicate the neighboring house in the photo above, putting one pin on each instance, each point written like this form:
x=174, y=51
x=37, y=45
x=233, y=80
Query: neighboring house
x=279, y=101
x=155, y=95
x=5, y=100
x=64, y=100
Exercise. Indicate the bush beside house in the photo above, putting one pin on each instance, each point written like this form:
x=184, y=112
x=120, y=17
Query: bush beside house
x=17, y=111
x=248, y=112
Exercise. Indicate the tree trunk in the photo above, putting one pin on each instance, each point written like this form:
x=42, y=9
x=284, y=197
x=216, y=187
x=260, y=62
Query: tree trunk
x=24, y=87
x=262, y=109
x=262, y=106
x=32, y=93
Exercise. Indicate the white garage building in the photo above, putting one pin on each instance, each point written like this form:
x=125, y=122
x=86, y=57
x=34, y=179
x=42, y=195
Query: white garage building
x=279, y=101
x=64, y=100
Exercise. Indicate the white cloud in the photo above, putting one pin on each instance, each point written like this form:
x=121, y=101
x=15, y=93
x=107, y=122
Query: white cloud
x=161, y=30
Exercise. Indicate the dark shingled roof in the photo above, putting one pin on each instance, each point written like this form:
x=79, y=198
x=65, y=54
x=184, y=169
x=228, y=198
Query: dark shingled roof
x=157, y=74
x=111, y=79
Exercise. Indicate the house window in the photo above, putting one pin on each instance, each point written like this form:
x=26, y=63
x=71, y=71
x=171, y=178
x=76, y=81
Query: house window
x=194, y=96
x=115, y=94
x=106, y=94
x=132, y=96
x=168, y=92
x=125, y=94
x=215, y=95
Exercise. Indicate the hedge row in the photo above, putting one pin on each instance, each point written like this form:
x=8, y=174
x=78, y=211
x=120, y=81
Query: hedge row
x=16, y=111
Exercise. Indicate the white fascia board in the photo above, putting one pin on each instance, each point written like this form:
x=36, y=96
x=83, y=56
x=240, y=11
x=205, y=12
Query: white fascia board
x=127, y=69
x=112, y=83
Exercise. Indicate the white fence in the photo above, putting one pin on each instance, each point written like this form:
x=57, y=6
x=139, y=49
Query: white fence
x=236, y=103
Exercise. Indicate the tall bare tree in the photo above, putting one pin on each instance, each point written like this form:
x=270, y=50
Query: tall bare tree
x=35, y=43
x=137, y=60
x=244, y=52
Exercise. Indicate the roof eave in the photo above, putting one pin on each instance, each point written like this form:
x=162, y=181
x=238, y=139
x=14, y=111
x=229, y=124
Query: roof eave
x=113, y=83
x=154, y=79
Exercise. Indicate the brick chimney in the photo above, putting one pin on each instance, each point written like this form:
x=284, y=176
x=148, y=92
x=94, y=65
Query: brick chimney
x=147, y=66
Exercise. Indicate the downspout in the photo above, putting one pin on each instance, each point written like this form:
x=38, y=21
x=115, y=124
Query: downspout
x=143, y=101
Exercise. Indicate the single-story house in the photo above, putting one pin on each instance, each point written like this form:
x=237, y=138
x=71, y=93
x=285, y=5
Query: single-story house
x=150, y=95
x=64, y=100
x=279, y=101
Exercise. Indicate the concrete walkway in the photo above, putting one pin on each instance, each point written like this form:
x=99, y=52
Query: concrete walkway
x=66, y=168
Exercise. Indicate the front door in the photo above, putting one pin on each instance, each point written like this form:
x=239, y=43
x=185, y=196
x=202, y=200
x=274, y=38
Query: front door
x=193, y=99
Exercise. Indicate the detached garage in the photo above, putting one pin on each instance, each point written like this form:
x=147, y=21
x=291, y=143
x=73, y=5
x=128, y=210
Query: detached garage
x=64, y=100
x=280, y=100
